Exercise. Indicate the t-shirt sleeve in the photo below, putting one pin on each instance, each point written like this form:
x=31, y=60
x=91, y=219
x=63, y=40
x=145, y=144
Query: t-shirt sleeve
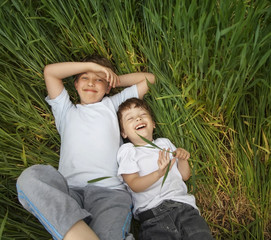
x=125, y=94
x=127, y=159
x=60, y=105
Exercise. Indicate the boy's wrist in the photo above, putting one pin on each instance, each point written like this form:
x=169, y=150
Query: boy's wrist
x=159, y=174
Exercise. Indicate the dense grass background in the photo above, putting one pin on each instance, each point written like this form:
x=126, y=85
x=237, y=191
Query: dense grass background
x=212, y=97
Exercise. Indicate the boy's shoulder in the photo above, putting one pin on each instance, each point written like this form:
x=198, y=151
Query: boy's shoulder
x=126, y=146
x=126, y=151
x=162, y=141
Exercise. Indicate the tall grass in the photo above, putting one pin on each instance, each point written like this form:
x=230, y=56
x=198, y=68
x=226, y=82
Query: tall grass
x=212, y=96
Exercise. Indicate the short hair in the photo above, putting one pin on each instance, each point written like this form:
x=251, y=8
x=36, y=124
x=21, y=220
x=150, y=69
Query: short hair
x=138, y=103
x=96, y=58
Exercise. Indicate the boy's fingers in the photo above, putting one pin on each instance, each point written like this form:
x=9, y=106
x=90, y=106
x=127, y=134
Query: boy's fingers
x=185, y=156
x=165, y=158
x=167, y=153
x=109, y=88
x=107, y=76
x=111, y=80
x=115, y=80
x=160, y=159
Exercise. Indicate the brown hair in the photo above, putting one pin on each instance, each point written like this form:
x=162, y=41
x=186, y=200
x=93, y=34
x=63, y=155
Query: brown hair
x=96, y=58
x=138, y=103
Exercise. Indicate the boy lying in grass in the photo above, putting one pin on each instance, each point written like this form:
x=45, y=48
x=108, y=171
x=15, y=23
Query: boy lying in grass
x=62, y=200
x=167, y=212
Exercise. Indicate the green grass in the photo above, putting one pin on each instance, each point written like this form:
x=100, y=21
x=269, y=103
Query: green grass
x=212, y=96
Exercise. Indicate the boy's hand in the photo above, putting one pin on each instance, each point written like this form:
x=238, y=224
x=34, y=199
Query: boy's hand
x=163, y=162
x=111, y=77
x=182, y=154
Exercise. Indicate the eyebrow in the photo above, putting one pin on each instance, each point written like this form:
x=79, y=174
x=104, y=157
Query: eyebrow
x=98, y=77
x=125, y=116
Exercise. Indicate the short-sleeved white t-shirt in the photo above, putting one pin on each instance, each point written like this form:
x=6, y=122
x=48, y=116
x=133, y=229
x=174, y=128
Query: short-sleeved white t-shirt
x=90, y=138
x=143, y=160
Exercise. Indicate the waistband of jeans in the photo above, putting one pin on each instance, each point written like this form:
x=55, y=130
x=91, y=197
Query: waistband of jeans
x=148, y=214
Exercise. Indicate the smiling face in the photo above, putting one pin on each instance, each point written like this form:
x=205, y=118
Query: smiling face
x=91, y=87
x=136, y=120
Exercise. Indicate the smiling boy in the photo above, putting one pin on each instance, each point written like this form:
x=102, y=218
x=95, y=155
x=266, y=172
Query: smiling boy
x=167, y=212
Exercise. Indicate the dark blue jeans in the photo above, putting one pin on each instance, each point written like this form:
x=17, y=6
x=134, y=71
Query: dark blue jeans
x=174, y=220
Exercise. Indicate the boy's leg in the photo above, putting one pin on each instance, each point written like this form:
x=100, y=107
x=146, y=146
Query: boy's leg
x=191, y=224
x=157, y=224
x=80, y=231
x=174, y=220
x=111, y=212
x=44, y=192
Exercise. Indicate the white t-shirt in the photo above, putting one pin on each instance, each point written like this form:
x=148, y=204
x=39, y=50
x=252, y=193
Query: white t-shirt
x=144, y=161
x=90, y=138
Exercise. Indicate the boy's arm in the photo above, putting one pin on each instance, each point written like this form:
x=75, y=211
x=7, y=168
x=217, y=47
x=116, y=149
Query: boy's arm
x=54, y=73
x=140, y=184
x=183, y=165
x=139, y=79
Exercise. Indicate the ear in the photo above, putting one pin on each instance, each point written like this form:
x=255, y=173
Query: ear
x=108, y=89
x=154, y=124
x=124, y=135
x=75, y=84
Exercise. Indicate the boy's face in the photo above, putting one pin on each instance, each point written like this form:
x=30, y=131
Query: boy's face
x=136, y=120
x=91, y=87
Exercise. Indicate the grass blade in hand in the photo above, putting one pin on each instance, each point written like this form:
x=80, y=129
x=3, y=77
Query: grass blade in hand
x=165, y=176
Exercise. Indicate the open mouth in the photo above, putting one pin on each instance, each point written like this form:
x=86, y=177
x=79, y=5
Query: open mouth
x=140, y=126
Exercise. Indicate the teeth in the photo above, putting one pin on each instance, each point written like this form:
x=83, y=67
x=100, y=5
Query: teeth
x=140, y=126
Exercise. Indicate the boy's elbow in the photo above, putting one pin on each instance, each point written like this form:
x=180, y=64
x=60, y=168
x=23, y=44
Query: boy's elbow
x=46, y=70
x=186, y=177
x=135, y=190
x=135, y=187
x=151, y=78
x=138, y=190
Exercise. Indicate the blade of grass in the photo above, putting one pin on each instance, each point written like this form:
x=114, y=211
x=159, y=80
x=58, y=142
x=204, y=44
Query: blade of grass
x=97, y=179
x=152, y=144
x=3, y=223
x=166, y=174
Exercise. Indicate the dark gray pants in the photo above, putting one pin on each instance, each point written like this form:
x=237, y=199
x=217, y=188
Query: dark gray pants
x=44, y=192
x=175, y=221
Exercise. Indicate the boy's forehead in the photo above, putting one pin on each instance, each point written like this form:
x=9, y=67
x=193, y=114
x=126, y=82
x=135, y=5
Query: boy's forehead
x=88, y=74
x=131, y=109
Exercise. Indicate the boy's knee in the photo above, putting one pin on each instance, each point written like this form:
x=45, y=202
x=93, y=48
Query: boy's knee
x=31, y=173
x=31, y=177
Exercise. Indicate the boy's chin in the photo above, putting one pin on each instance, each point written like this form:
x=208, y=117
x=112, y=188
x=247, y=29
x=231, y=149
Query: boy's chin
x=141, y=141
x=144, y=133
x=86, y=102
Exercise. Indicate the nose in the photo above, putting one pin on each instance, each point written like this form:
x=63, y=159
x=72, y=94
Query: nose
x=138, y=118
x=91, y=82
